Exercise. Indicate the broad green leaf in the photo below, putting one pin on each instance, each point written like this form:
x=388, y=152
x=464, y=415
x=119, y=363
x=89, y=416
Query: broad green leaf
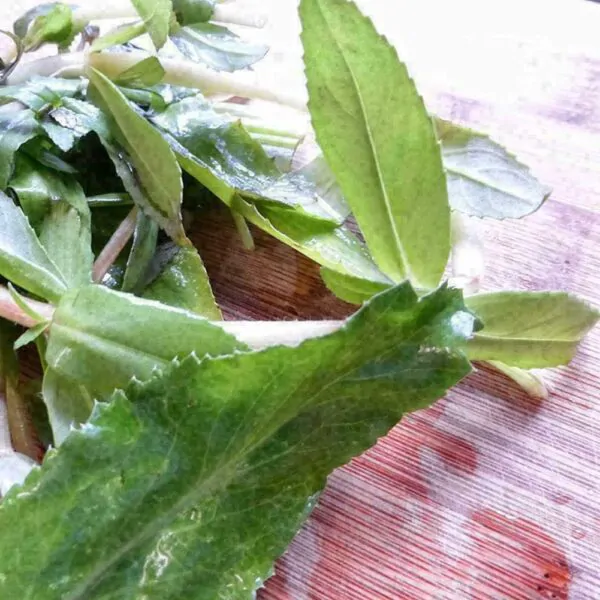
x=104, y=353
x=62, y=137
x=147, y=72
x=23, y=260
x=182, y=282
x=66, y=234
x=155, y=164
x=117, y=37
x=192, y=484
x=529, y=329
x=44, y=152
x=14, y=466
x=484, y=180
x=142, y=252
x=217, y=47
x=338, y=250
x=527, y=380
x=156, y=15
x=41, y=92
x=221, y=155
x=378, y=140
x=16, y=128
x=194, y=11
x=48, y=23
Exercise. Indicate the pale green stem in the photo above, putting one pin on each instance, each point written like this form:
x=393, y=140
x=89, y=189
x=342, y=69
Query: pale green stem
x=114, y=246
x=243, y=229
x=10, y=311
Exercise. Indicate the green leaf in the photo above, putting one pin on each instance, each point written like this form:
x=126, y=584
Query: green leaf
x=62, y=137
x=48, y=23
x=193, y=11
x=183, y=282
x=378, y=140
x=142, y=251
x=31, y=335
x=191, y=485
x=527, y=380
x=16, y=128
x=66, y=233
x=145, y=73
x=484, y=180
x=119, y=36
x=354, y=290
x=217, y=47
x=221, y=155
x=23, y=260
x=339, y=250
x=41, y=92
x=529, y=329
x=156, y=15
x=140, y=335
x=155, y=164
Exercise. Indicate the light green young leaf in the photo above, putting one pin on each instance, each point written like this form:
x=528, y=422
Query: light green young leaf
x=117, y=37
x=142, y=252
x=217, y=47
x=484, y=180
x=156, y=167
x=31, y=335
x=156, y=15
x=103, y=354
x=147, y=72
x=48, y=23
x=378, y=140
x=23, y=260
x=354, y=290
x=529, y=329
x=194, y=11
x=182, y=281
x=220, y=460
x=16, y=128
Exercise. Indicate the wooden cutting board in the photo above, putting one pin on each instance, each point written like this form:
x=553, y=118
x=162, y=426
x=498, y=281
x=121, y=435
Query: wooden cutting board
x=490, y=495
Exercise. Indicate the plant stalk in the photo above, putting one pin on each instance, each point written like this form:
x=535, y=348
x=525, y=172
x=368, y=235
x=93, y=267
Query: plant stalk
x=114, y=246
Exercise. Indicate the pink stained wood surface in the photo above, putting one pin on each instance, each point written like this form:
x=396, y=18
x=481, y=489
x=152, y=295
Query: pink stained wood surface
x=489, y=495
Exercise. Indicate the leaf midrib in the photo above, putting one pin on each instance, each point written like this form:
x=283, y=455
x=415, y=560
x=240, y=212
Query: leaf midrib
x=380, y=179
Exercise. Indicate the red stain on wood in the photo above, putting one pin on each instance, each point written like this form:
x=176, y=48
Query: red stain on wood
x=516, y=553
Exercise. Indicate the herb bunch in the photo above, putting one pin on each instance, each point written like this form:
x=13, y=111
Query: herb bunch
x=187, y=451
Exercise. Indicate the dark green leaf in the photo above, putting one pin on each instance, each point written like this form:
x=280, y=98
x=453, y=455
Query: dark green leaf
x=38, y=150
x=23, y=260
x=183, y=283
x=484, y=180
x=191, y=485
x=193, y=11
x=221, y=154
x=41, y=92
x=529, y=329
x=378, y=140
x=156, y=15
x=156, y=166
x=147, y=72
x=217, y=47
x=16, y=128
x=337, y=249
x=142, y=252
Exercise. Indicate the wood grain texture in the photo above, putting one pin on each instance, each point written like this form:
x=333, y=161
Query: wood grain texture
x=490, y=494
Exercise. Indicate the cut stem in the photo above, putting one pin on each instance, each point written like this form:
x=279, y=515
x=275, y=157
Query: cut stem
x=114, y=246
